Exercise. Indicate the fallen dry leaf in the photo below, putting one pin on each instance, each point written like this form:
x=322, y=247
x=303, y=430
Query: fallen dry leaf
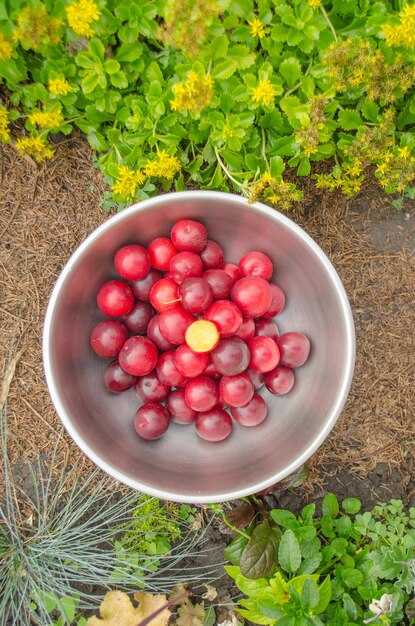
x=117, y=610
x=211, y=592
x=190, y=615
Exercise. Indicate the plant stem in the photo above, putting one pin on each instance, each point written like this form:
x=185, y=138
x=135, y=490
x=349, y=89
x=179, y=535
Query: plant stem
x=329, y=24
x=240, y=532
x=228, y=174
x=264, y=154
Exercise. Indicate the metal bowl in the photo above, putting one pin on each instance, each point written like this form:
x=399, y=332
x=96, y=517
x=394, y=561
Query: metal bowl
x=181, y=466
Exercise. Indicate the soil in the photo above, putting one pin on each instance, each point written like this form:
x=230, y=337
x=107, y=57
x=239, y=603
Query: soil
x=47, y=211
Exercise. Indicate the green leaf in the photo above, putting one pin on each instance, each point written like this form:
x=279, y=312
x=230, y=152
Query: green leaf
x=284, y=518
x=310, y=595
x=330, y=505
x=310, y=564
x=351, y=577
x=90, y=82
x=46, y=599
x=290, y=70
x=219, y=47
x=350, y=120
x=242, y=55
x=325, y=595
x=69, y=606
x=350, y=607
x=371, y=111
x=233, y=551
x=248, y=586
x=111, y=66
x=277, y=166
x=128, y=52
x=289, y=553
x=119, y=80
x=304, y=167
x=154, y=73
x=224, y=69
x=97, y=141
x=11, y=72
x=96, y=47
x=344, y=525
x=260, y=555
x=351, y=505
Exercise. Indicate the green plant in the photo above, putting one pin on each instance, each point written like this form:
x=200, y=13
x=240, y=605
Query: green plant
x=338, y=568
x=58, y=540
x=224, y=94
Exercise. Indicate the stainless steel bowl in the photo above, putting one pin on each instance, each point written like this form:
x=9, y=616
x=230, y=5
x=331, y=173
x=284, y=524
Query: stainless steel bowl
x=181, y=466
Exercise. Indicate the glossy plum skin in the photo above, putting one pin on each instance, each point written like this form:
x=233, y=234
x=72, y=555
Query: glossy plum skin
x=180, y=411
x=252, y=294
x=132, y=262
x=280, y=380
x=189, y=363
x=256, y=263
x=115, y=298
x=141, y=288
x=189, y=235
x=233, y=271
x=253, y=413
x=202, y=393
x=220, y=283
x=167, y=371
x=185, y=265
x=236, y=390
x=231, y=356
x=173, y=324
x=265, y=354
x=164, y=294
x=246, y=330
x=226, y=315
x=138, y=356
x=214, y=425
x=108, y=338
x=277, y=301
x=196, y=295
x=266, y=328
x=153, y=333
x=212, y=255
x=116, y=380
x=151, y=421
x=294, y=348
x=257, y=378
x=161, y=252
x=138, y=318
x=150, y=389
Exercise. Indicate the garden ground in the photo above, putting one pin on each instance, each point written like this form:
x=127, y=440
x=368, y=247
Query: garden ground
x=45, y=213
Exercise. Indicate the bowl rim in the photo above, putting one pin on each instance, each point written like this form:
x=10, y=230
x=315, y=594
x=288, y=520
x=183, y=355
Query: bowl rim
x=198, y=497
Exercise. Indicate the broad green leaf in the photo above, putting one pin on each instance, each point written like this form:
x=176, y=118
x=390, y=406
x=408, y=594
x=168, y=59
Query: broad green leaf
x=339, y=546
x=290, y=70
x=128, y=52
x=219, y=47
x=304, y=167
x=210, y=616
x=154, y=73
x=371, y=111
x=111, y=66
x=351, y=505
x=343, y=525
x=248, y=586
x=69, y=606
x=11, y=72
x=325, y=595
x=260, y=555
x=289, y=553
x=350, y=120
x=310, y=595
x=233, y=551
x=46, y=599
x=349, y=606
x=310, y=564
x=277, y=167
x=97, y=141
x=351, y=577
x=279, y=588
x=119, y=80
x=242, y=55
x=330, y=505
x=284, y=518
x=90, y=82
x=224, y=69
x=279, y=33
x=96, y=47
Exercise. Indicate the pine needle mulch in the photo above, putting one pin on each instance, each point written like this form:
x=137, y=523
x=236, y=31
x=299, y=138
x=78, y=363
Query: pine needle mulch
x=45, y=213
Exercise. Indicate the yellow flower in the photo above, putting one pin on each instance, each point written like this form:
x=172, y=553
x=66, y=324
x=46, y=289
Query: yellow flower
x=257, y=28
x=5, y=48
x=264, y=93
x=80, y=16
x=402, y=34
x=127, y=182
x=35, y=27
x=163, y=166
x=404, y=153
x=314, y=4
x=35, y=147
x=193, y=94
x=59, y=86
x=46, y=119
x=4, y=123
